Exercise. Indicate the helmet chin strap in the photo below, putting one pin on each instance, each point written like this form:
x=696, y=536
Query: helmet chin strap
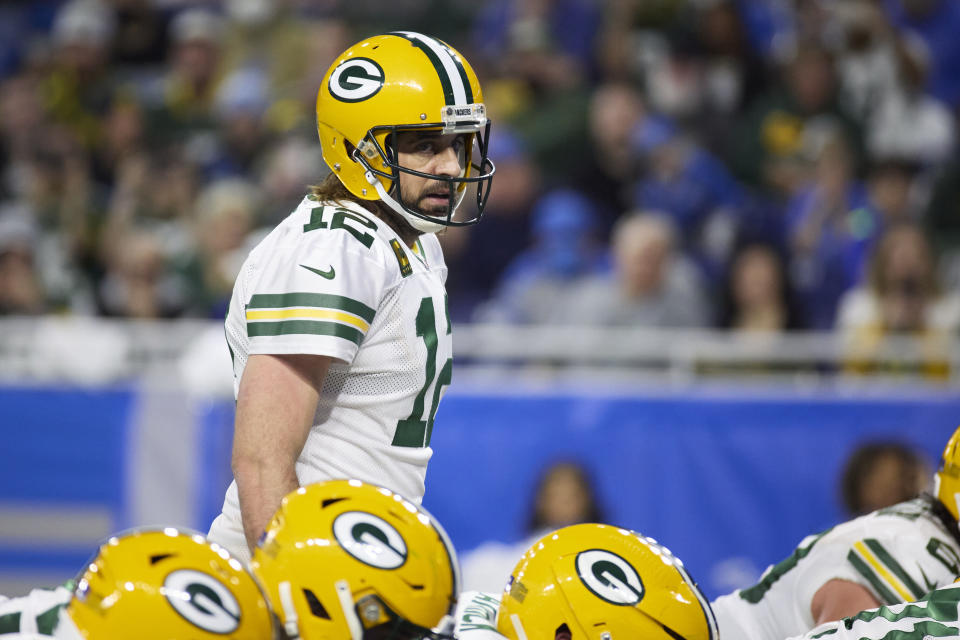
x=421, y=225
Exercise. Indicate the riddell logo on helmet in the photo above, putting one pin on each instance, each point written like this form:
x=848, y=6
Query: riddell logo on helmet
x=356, y=79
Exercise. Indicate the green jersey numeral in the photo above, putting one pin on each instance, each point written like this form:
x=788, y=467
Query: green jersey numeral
x=342, y=219
x=415, y=430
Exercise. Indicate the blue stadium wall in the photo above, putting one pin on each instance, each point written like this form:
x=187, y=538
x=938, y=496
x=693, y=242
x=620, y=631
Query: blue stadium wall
x=731, y=480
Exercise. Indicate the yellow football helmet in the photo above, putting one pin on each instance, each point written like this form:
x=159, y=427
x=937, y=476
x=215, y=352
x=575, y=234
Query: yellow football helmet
x=598, y=582
x=167, y=585
x=396, y=82
x=946, y=483
x=345, y=560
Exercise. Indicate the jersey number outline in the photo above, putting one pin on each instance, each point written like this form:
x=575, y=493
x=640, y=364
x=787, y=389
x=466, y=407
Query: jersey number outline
x=415, y=430
x=342, y=219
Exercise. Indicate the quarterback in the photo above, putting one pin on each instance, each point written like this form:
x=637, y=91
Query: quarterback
x=152, y=585
x=893, y=555
x=338, y=326
x=591, y=582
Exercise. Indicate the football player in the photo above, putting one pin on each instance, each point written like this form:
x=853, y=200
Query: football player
x=151, y=585
x=346, y=560
x=338, y=325
x=936, y=616
x=892, y=555
x=591, y=582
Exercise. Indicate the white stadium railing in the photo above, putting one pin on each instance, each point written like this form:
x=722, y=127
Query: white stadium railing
x=89, y=351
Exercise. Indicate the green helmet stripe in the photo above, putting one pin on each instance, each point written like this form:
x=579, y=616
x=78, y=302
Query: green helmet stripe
x=433, y=50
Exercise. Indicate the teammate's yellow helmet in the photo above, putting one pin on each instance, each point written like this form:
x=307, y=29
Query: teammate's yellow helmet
x=396, y=82
x=167, y=584
x=598, y=582
x=345, y=560
x=947, y=481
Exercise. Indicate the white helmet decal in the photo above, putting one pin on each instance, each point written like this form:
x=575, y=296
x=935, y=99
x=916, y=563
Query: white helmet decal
x=356, y=79
x=202, y=600
x=370, y=539
x=609, y=577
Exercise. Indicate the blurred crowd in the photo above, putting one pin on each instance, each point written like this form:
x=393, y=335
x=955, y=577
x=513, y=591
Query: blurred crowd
x=757, y=165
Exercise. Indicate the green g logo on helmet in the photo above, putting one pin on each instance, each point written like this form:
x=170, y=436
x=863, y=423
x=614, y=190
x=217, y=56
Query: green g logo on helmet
x=356, y=79
x=202, y=600
x=609, y=577
x=370, y=539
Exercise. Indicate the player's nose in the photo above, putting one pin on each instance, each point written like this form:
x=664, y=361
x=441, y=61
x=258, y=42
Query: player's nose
x=448, y=162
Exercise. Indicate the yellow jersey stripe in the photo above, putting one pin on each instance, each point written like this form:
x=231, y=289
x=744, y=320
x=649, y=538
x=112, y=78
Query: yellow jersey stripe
x=882, y=571
x=307, y=312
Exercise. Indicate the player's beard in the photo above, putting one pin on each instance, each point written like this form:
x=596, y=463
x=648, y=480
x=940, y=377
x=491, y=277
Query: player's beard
x=423, y=203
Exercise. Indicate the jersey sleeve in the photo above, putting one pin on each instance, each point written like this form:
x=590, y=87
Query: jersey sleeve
x=936, y=616
x=477, y=616
x=895, y=559
x=317, y=296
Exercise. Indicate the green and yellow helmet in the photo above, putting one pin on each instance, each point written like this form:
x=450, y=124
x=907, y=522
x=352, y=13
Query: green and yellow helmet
x=947, y=481
x=598, y=582
x=167, y=584
x=347, y=560
x=395, y=82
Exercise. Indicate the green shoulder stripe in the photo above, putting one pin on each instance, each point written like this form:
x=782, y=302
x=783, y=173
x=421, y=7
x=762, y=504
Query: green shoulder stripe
x=47, y=621
x=894, y=566
x=10, y=623
x=864, y=569
x=305, y=327
x=324, y=300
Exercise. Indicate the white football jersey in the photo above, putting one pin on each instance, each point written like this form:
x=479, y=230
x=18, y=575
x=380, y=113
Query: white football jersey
x=38, y=615
x=899, y=554
x=477, y=616
x=334, y=280
x=936, y=616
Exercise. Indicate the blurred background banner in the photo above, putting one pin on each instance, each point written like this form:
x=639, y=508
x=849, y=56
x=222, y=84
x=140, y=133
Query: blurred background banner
x=731, y=479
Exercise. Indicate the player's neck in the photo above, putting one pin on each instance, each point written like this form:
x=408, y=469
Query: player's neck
x=396, y=222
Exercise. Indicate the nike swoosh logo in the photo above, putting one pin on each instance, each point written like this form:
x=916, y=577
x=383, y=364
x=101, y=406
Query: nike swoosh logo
x=926, y=580
x=328, y=274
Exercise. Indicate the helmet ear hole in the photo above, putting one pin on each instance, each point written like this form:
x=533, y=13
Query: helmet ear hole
x=316, y=607
x=563, y=633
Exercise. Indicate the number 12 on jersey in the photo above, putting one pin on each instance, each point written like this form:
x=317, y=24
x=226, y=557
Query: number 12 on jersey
x=416, y=429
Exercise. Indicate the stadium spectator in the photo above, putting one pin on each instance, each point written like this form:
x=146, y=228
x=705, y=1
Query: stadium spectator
x=687, y=183
x=540, y=55
x=892, y=190
x=241, y=105
x=565, y=250
x=21, y=291
x=225, y=213
x=757, y=295
x=138, y=282
x=607, y=172
x=771, y=134
x=902, y=296
x=829, y=228
x=652, y=283
x=937, y=22
x=79, y=86
x=564, y=495
x=907, y=122
x=881, y=474
x=181, y=102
